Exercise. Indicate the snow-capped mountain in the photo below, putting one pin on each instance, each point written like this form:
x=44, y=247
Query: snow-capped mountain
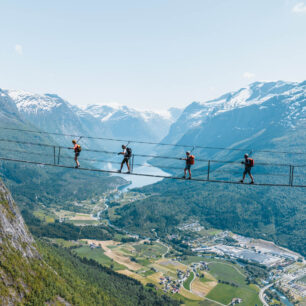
x=8, y=107
x=48, y=112
x=282, y=99
x=261, y=116
x=130, y=123
x=51, y=113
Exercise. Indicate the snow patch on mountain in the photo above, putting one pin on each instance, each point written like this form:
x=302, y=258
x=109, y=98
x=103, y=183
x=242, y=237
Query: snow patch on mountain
x=115, y=111
x=280, y=104
x=255, y=94
x=35, y=103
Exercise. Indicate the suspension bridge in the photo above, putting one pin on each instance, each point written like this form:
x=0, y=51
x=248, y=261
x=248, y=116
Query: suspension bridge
x=57, y=158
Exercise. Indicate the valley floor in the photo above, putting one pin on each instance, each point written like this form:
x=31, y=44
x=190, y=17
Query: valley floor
x=218, y=274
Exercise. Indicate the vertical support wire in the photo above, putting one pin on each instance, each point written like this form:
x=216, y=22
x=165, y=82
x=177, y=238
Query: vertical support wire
x=54, y=160
x=208, y=169
x=132, y=163
x=290, y=175
x=59, y=155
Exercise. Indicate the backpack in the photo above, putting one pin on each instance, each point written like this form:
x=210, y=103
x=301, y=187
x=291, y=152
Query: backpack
x=129, y=151
x=191, y=159
x=79, y=149
x=251, y=162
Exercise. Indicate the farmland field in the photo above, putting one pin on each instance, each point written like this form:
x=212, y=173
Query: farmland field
x=143, y=260
x=226, y=272
x=150, y=250
x=98, y=255
x=225, y=293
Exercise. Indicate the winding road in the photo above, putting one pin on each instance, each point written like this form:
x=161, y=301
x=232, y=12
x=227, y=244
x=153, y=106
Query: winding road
x=261, y=294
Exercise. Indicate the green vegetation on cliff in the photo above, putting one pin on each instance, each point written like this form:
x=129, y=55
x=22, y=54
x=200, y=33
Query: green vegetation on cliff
x=62, y=277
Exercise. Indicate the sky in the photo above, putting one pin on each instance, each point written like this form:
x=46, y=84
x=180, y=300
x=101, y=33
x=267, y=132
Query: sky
x=151, y=54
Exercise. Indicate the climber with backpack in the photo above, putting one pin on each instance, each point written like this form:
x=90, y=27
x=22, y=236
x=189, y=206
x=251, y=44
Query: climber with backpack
x=248, y=165
x=77, y=150
x=127, y=154
x=189, y=162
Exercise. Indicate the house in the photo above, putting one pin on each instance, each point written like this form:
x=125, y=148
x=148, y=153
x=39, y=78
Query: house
x=236, y=301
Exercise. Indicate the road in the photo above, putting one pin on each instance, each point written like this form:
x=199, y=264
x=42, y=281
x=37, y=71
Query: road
x=163, y=255
x=261, y=294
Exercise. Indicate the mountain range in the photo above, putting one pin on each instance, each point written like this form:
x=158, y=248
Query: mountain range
x=266, y=120
x=33, y=185
x=51, y=113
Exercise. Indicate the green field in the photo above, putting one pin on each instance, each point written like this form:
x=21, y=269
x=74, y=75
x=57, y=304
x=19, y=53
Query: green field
x=47, y=217
x=98, y=255
x=225, y=293
x=226, y=272
x=208, y=303
x=188, y=281
x=192, y=259
x=148, y=250
x=66, y=243
x=143, y=262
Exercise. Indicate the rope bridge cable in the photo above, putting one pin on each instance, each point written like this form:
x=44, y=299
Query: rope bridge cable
x=148, y=175
x=218, y=171
x=148, y=165
x=154, y=143
x=142, y=155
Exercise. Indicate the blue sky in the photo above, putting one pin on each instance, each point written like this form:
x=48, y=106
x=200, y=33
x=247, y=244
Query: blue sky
x=149, y=54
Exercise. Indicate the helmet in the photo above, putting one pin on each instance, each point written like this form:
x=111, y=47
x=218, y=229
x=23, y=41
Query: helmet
x=123, y=146
x=246, y=155
x=188, y=152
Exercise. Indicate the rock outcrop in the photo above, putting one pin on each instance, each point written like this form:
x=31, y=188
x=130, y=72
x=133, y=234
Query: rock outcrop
x=13, y=231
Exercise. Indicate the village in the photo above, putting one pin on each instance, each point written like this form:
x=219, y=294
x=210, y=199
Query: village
x=174, y=285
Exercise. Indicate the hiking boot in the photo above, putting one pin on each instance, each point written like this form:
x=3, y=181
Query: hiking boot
x=184, y=177
x=252, y=182
x=119, y=171
x=241, y=181
x=189, y=178
x=129, y=172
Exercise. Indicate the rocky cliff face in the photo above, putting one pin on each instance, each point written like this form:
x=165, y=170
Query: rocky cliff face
x=13, y=231
x=17, y=252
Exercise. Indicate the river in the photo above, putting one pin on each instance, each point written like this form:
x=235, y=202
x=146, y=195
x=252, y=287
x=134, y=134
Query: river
x=136, y=181
x=141, y=181
x=283, y=299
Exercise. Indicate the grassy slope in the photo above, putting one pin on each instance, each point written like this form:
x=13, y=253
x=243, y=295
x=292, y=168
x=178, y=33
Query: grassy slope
x=61, y=277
